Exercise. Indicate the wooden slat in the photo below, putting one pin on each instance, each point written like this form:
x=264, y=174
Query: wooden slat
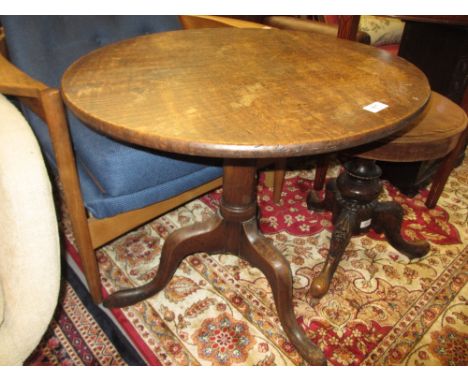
x=193, y=22
x=293, y=23
x=105, y=230
x=15, y=82
x=35, y=105
x=60, y=136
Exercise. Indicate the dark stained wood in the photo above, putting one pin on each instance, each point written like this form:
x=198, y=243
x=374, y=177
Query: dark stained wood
x=278, y=91
x=320, y=173
x=352, y=198
x=438, y=19
x=464, y=101
x=446, y=167
x=432, y=135
x=439, y=132
x=438, y=45
x=261, y=253
x=340, y=238
x=387, y=219
x=207, y=236
x=440, y=51
x=348, y=27
x=233, y=230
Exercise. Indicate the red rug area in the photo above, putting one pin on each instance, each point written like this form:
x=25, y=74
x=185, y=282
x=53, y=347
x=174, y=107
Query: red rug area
x=75, y=338
x=382, y=309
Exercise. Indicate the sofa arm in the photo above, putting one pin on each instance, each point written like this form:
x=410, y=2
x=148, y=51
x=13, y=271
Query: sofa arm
x=29, y=239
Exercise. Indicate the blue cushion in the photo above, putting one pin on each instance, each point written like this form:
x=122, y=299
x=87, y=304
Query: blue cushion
x=101, y=205
x=33, y=40
x=115, y=177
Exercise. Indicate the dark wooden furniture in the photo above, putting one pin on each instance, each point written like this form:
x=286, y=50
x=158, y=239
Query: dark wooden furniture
x=90, y=232
x=241, y=95
x=438, y=45
x=438, y=133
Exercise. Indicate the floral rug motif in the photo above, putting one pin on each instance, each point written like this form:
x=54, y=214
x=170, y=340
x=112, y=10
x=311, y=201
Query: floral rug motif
x=74, y=338
x=382, y=309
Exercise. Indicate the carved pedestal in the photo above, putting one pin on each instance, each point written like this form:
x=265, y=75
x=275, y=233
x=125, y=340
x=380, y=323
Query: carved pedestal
x=352, y=198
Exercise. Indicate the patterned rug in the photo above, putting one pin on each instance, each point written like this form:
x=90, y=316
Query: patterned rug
x=81, y=334
x=382, y=309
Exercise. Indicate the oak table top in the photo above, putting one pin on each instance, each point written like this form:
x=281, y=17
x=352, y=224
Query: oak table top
x=240, y=93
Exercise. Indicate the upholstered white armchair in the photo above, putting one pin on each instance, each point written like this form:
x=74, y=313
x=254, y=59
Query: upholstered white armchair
x=29, y=241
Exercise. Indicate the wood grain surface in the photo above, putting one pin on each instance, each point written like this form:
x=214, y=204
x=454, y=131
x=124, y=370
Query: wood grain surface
x=13, y=80
x=242, y=93
x=432, y=135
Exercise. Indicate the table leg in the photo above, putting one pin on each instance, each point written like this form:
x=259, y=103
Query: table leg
x=186, y=241
x=352, y=198
x=339, y=241
x=234, y=229
x=260, y=253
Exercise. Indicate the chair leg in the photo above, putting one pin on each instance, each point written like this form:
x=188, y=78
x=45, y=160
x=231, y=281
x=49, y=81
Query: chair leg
x=88, y=259
x=270, y=178
x=444, y=171
x=280, y=172
x=58, y=128
x=320, y=173
x=269, y=172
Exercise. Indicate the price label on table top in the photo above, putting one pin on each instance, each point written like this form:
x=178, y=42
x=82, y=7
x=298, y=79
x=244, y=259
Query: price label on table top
x=365, y=223
x=375, y=107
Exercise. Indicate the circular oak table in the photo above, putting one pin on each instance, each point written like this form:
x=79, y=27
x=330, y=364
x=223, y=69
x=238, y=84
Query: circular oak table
x=241, y=94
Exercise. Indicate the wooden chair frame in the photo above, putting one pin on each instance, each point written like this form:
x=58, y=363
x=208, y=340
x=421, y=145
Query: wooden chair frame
x=91, y=233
